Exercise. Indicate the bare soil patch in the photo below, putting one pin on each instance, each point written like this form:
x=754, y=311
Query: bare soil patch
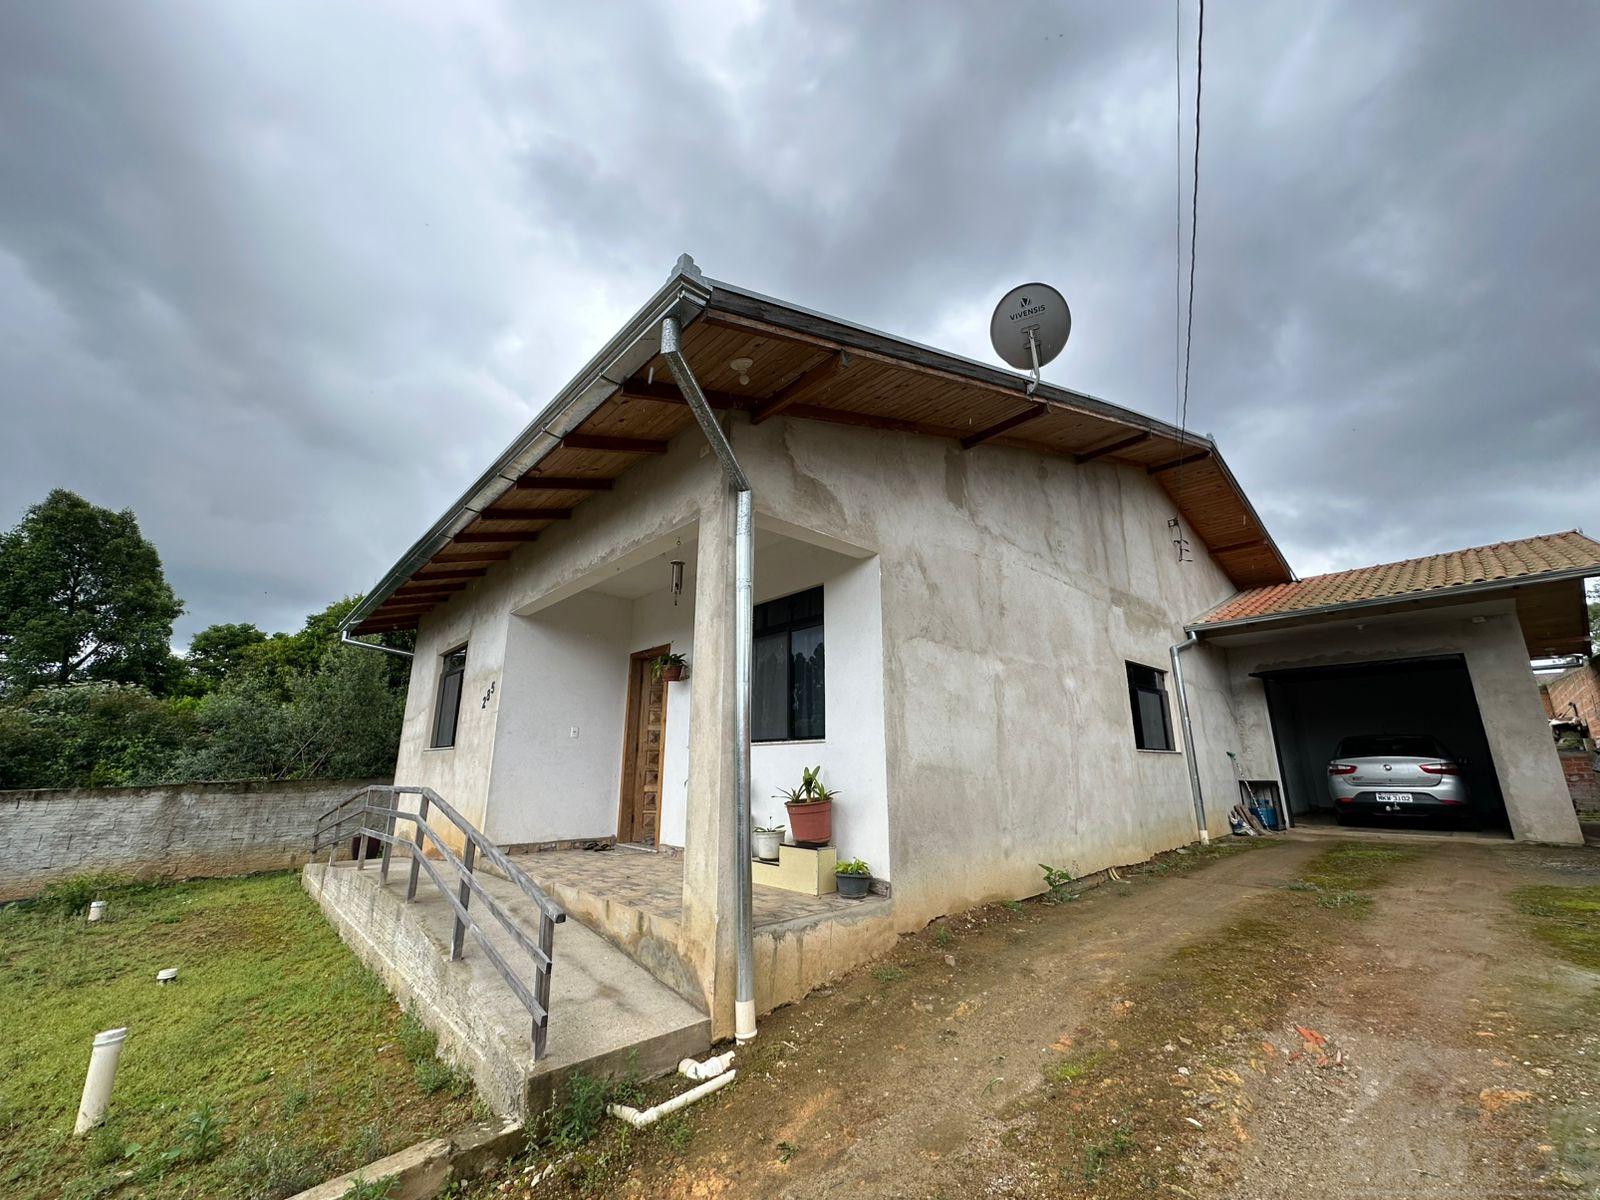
x=1302, y=1020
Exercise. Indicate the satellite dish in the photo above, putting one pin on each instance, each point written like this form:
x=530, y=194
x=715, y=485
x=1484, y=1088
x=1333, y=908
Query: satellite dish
x=1030, y=327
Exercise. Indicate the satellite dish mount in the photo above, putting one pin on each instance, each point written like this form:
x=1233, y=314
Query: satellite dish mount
x=1030, y=326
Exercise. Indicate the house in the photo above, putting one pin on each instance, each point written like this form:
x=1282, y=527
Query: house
x=1011, y=628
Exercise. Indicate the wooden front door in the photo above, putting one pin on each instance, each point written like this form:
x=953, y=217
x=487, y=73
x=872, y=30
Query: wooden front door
x=643, y=741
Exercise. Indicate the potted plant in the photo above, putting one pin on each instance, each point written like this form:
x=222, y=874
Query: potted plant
x=810, y=808
x=668, y=667
x=854, y=878
x=767, y=840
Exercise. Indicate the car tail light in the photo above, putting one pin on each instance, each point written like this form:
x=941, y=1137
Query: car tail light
x=1441, y=768
x=1345, y=768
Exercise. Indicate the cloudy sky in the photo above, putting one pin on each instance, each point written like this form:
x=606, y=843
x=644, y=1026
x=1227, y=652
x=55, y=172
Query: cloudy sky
x=283, y=278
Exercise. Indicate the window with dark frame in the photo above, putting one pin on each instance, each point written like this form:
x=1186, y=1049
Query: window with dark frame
x=1152, y=719
x=787, y=701
x=447, y=708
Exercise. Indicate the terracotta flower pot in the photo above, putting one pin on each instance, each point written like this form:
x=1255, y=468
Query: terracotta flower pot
x=673, y=673
x=811, y=824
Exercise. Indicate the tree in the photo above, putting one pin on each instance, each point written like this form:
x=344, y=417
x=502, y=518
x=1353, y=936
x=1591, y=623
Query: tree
x=217, y=651
x=82, y=596
x=92, y=735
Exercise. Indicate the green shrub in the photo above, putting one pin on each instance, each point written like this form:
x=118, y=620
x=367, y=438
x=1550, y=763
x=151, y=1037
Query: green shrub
x=70, y=897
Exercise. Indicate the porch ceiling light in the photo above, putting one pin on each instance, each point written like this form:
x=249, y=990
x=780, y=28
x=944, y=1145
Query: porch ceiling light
x=741, y=368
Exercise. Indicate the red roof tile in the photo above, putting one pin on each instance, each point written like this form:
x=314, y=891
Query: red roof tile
x=1437, y=572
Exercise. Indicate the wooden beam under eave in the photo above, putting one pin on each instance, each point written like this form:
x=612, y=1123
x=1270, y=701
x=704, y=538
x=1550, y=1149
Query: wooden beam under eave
x=520, y=536
x=666, y=393
x=1115, y=447
x=796, y=390
x=464, y=573
x=1199, y=456
x=505, y=512
x=444, y=558
x=428, y=589
x=614, y=445
x=564, y=483
x=1247, y=545
x=1032, y=412
x=844, y=416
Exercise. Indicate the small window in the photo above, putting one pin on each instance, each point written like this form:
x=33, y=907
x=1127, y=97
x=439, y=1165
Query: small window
x=1152, y=720
x=447, y=709
x=787, y=695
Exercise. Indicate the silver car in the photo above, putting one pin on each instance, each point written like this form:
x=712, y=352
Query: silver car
x=1394, y=774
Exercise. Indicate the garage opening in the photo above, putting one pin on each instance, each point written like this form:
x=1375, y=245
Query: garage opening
x=1314, y=709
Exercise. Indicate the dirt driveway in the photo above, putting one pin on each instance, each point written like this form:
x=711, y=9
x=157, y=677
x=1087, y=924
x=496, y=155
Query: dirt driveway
x=1304, y=1019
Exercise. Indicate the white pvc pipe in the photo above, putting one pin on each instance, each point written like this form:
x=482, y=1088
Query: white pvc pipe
x=710, y=1069
x=640, y=1120
x=97, y=1083
x=97, y=909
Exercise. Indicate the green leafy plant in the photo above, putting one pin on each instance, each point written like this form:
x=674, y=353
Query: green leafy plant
x=71, y=896
x=853, y=866
x=943, y=936
x=1058, y=884
x=811, y=790
x=770, y=829
x=570, y=1123
x=201, y=1138
x=659, y=664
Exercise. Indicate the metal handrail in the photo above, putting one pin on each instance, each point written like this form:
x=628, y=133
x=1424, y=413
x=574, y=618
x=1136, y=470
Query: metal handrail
x=334, y=825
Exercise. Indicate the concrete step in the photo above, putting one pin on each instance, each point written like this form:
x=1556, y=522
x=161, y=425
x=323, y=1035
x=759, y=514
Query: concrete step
x=606, y=1011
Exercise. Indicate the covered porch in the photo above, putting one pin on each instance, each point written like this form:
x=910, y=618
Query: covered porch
x=594, y=747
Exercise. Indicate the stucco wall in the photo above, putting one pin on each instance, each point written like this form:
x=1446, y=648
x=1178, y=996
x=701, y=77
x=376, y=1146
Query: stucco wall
x=178, y=831
x=1012, y=588
x=1489, y=638
x=1015, y=587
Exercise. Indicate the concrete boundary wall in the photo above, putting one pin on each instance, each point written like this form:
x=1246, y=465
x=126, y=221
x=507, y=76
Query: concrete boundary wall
x=174, y=831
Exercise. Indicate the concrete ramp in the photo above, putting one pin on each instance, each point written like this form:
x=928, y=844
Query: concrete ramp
x=605, y=1009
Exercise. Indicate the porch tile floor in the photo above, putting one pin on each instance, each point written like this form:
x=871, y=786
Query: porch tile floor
x=654, y=883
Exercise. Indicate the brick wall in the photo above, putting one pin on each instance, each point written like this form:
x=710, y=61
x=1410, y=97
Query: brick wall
x=179, y=831
x=1578, y=767
x=1580, y=686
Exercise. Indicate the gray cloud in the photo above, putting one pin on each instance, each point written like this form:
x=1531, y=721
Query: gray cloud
x=284, y=279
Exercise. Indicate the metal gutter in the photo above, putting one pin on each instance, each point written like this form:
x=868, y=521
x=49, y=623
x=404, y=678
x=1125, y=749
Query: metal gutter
x=1190, y=750
x=744, y=559
x=1403, y=598
x=683, y=296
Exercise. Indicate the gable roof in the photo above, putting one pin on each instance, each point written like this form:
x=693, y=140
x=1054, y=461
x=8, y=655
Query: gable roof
x=1547, y=558
x=804, y=365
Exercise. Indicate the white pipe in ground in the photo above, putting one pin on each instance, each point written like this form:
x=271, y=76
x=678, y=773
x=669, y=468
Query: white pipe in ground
x=640, y=1120
x=710, y=1069
x=97, y=909
x=97, y=1084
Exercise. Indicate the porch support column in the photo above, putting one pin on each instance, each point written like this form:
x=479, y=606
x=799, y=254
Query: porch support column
x=707, y=935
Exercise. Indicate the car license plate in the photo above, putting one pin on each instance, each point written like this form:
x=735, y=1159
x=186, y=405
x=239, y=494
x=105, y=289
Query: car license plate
x=1394, y=797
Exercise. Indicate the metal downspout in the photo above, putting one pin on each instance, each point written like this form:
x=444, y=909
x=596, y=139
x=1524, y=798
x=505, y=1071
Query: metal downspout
x=346, y=639
x=1189, y=748
x=744, y=558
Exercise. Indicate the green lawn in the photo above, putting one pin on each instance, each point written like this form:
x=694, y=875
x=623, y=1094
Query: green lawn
x=275, y=1061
